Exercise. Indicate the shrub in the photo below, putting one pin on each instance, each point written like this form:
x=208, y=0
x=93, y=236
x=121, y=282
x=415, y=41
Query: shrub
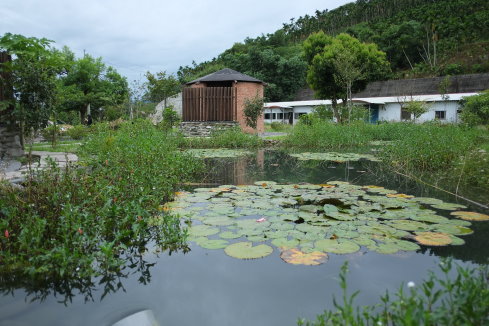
x=51, y=132
x=475, y=109
x=80, y=222
x=437, y=301
x=78, y=132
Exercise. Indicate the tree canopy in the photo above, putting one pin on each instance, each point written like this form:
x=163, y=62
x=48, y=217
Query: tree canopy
x=338, y=66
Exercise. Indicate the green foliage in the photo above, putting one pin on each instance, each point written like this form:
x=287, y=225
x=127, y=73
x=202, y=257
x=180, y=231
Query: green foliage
x=78, y=132
x=170, y=118
x=324, y=55
x=279, y=126
x=32, y=76
x=88, y=81
x=161, y=86
x=416, y=108
x=253, y=110
x=323, y=112
x=83, y=222
x=439, y=300
x=230, y=138
x=475, y=109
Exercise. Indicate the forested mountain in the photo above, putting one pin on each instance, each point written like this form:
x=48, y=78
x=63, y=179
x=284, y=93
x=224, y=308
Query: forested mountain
x=420, y=37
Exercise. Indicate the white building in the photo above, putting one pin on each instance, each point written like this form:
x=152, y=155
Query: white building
x=443, y=108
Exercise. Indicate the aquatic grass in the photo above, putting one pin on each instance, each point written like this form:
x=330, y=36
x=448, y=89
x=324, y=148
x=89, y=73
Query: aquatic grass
x=439, y=300
x=81, y=221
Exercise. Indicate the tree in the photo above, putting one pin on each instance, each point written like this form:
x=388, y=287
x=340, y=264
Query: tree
x=475, y=109
x=90, y=84
x=33, y=73
x=161, y=86
x=416, y=108
x=253, y=110
x=326, y=56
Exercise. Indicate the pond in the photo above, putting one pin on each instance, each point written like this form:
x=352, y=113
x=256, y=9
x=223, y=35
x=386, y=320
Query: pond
x=208, y=287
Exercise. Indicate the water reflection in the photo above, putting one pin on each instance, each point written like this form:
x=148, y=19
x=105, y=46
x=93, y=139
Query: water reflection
x=88, y=288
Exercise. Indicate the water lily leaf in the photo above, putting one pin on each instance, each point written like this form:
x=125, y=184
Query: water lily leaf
x=276, y=234
x=297, y=257
x=212, y=244
x=216, y=152
x=265, y=183
x=407, y=245
x=202, y=230
x=428, y=201
x=282, y=226
x=448, y=206
x=456, y=241
x=408, y=225
x=452, y=229
x=399, y=196
x=230, y=235
x=386, y=248
x=285, y=243
x=433, y=238
x=218, y=221
x=364, y=241
x=471, y=216
x=458, y=222
x=330, y=210
x=245, y=250
x=257, y=238
x=430, y=218
x=310, y=208
x=337, y=246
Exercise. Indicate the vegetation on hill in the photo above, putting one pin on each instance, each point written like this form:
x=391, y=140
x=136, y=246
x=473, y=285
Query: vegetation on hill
x=421, y=38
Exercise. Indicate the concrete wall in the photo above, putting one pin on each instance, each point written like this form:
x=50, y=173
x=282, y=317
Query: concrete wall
x=392, y=112
x=205, y=128
x=175, y=101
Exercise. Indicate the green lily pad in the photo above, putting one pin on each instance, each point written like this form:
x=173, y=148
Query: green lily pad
x=217, y=152
x=212, y=244
x=202, y=230
x=333, y=156
x=448, y=206
x=230, y=235
x=285, y=243
x=245, y=250
x=337, y=246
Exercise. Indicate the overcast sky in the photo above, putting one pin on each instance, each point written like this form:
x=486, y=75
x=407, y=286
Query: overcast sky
x=141, y=35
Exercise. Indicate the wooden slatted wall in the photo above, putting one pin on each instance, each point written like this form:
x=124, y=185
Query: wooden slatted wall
x=209, y=104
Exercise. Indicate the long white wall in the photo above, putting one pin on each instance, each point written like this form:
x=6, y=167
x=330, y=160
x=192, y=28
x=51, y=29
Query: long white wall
x=392, y=111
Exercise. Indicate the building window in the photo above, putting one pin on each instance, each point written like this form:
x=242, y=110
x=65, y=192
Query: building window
x=440, y=115
x=267, y=116
x=405, y=115
x=274, y=116
x=280, y=116
x=297, y=115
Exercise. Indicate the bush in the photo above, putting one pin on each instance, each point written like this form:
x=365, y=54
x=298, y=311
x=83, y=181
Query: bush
x=78, y=132
x=475, y=109
x=437, y=301
x=170, y=119
x=51, y=132
x=80, y=222
x=279, y=126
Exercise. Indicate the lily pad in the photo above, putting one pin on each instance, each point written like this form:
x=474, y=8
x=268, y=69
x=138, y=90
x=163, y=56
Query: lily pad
x=433, y=238
x=285, y=243
x=245, y=250
x=217, y=152
x=335, y=157
x=297, y=257
x=202, y=230
x=337, y=246
x=471, y=216
x=212, y=244
x=230, y=235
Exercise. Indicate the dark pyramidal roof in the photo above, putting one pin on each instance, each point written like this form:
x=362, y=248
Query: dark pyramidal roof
x=225, y=74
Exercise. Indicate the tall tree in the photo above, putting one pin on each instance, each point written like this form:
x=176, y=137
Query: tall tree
x=325, y=55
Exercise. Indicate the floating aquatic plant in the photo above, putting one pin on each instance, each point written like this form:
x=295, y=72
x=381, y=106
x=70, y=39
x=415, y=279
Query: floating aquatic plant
x=334, y=156
x=337, y=218
x=217, y=152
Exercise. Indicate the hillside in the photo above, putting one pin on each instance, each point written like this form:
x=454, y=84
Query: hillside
x=422, y=38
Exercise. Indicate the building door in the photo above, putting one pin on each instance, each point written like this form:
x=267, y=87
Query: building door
x=374, y=113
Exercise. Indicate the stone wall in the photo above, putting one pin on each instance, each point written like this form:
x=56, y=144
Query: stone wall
x=10, y=143
x=205, y=128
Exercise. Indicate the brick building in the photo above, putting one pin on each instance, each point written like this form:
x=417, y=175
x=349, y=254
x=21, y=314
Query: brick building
x=220, y=98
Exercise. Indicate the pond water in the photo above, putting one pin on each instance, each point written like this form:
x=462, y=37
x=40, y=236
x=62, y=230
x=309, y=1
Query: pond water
x=207, y=287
